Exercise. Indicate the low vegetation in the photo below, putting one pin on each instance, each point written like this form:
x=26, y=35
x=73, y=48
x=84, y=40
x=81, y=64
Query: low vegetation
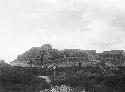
x=76, y=70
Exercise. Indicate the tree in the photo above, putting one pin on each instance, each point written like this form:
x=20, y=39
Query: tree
x=4, y=67
x=2, y=61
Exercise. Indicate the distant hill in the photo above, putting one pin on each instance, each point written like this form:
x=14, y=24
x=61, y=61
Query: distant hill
x=33, y=56
x=46, y=55
x=38, y=56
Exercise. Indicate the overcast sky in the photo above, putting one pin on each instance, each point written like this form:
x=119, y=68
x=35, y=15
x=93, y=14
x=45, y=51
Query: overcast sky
x=79, y=24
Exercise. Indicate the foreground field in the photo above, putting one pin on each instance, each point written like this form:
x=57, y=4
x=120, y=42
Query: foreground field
x=73, y=79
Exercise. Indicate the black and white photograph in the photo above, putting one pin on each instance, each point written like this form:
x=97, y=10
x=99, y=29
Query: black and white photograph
x=62, y=45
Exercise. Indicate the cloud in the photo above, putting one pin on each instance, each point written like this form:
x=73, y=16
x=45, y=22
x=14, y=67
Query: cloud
x=97, y=25
x=84, y=24
x=100, y=20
